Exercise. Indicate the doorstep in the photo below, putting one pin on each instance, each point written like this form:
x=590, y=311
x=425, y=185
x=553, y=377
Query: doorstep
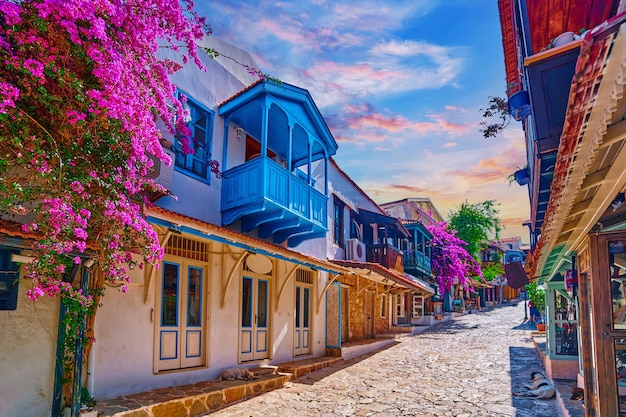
x=208, y=396
x=193, y=399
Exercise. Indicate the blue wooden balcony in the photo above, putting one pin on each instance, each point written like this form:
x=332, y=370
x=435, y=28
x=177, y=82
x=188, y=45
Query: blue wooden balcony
x=416, y=261
x=283, y=201
x=263, y=194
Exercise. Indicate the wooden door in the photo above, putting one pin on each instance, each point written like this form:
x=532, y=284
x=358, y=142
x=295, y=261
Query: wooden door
x=302, y=317
x=369, y=314
x=180, y=311
x=254, y=333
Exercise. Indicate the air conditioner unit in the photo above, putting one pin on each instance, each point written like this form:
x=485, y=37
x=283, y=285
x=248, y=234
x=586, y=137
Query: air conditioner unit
x=161, y=173
x=355, y=250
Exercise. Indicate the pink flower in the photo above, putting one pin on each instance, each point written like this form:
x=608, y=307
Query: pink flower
x=35, y=67
x=74, y=116
x=8, y=95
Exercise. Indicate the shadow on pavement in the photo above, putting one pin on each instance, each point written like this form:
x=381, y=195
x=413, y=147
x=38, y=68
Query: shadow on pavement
x=523, y=361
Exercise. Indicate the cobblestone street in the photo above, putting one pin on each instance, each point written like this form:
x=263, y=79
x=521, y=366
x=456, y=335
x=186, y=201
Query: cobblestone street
x=464, y=367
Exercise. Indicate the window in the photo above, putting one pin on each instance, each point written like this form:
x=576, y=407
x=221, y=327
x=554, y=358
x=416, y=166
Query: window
x=200, y=122
x=400, y=305
x=338, y=222
x=355, y=229
x=9, y=280
x=383, y=306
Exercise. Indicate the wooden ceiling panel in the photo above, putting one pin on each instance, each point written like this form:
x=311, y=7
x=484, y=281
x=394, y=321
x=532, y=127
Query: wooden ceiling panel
x=549, y=18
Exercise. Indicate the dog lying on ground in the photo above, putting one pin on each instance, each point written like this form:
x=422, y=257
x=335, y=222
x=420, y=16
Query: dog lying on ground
x=231, y=374
x=577, y=394
x=540, y=388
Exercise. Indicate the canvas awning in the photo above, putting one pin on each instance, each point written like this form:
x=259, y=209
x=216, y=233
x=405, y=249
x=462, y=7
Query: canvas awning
x=384, y=220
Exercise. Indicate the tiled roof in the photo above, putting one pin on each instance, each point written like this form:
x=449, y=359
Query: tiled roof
x=416, y=285
x=228, y=234
x=254, y=84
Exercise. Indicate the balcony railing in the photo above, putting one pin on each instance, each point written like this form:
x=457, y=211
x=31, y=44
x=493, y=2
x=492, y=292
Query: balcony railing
x=263, y=194
x=415, y=260
x=386, y=255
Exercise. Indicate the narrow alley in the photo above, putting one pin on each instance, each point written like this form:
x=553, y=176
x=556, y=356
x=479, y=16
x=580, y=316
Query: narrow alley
x=465, y=367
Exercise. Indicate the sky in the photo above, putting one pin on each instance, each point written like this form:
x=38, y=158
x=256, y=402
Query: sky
x=401, y=85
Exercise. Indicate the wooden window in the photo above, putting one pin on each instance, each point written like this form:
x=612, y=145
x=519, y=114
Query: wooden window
x=338, y=222
x=200, y=122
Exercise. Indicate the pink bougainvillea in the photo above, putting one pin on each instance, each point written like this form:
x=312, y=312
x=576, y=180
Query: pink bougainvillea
x=450, y=261
x=81, y=90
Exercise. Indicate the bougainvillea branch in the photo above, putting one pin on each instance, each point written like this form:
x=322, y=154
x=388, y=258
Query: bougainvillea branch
x=81, y=90
x=450, y=261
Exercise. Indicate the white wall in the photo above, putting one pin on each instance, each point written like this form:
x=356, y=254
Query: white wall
x=27, y=355
x=222, y=79
x=354, y=198
x=125, y=330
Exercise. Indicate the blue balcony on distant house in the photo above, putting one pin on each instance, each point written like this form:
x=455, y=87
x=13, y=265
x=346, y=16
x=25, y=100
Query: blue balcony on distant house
x=416, y=261
x=279, y=187
x=417, y=256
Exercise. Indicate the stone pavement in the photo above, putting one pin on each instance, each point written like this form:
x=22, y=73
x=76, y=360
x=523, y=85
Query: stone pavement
x=466, y=367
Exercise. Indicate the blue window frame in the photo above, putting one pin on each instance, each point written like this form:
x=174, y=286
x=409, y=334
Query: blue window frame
x=200, y=122
x=9, y=279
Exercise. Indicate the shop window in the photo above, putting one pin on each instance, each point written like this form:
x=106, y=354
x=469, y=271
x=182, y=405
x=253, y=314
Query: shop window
x=9, y=280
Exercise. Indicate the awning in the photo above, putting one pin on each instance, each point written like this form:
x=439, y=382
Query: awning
x=385, y=220
x=379, y=272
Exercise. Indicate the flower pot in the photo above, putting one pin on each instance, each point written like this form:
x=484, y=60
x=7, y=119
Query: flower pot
x=522, y=177
x=541, y=327
x=564, y=38
x=519, y=105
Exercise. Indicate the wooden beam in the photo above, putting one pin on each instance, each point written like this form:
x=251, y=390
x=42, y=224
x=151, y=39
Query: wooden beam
x=594, y=179
x=614, y=134
x=580, y=207
x=229, y=279
x=284, y=284
x=150, y=270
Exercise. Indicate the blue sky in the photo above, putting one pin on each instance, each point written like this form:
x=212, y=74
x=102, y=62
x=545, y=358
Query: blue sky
x=400, y=84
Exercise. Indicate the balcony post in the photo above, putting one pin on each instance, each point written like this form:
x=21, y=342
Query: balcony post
x=264, y=126
x=290, y=150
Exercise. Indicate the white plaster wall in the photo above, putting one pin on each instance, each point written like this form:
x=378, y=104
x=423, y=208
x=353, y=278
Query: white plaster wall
x=221, y=80
x=27, y=355
x=354, y=198
x=125, y=331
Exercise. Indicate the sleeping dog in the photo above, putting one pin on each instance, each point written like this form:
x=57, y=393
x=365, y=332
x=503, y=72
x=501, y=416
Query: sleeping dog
x=540, y=388
x=231, y=374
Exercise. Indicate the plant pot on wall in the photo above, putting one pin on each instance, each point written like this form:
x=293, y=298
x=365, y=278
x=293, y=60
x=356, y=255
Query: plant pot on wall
x=519, y=105
x=522, y=176
x=564, y=38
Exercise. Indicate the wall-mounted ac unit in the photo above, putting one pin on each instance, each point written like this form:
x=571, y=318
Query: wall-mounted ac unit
x=355, y=250
x=161, y=173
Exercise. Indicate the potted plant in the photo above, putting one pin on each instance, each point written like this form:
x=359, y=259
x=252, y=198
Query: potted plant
x=564, y=38
x=521, y=176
